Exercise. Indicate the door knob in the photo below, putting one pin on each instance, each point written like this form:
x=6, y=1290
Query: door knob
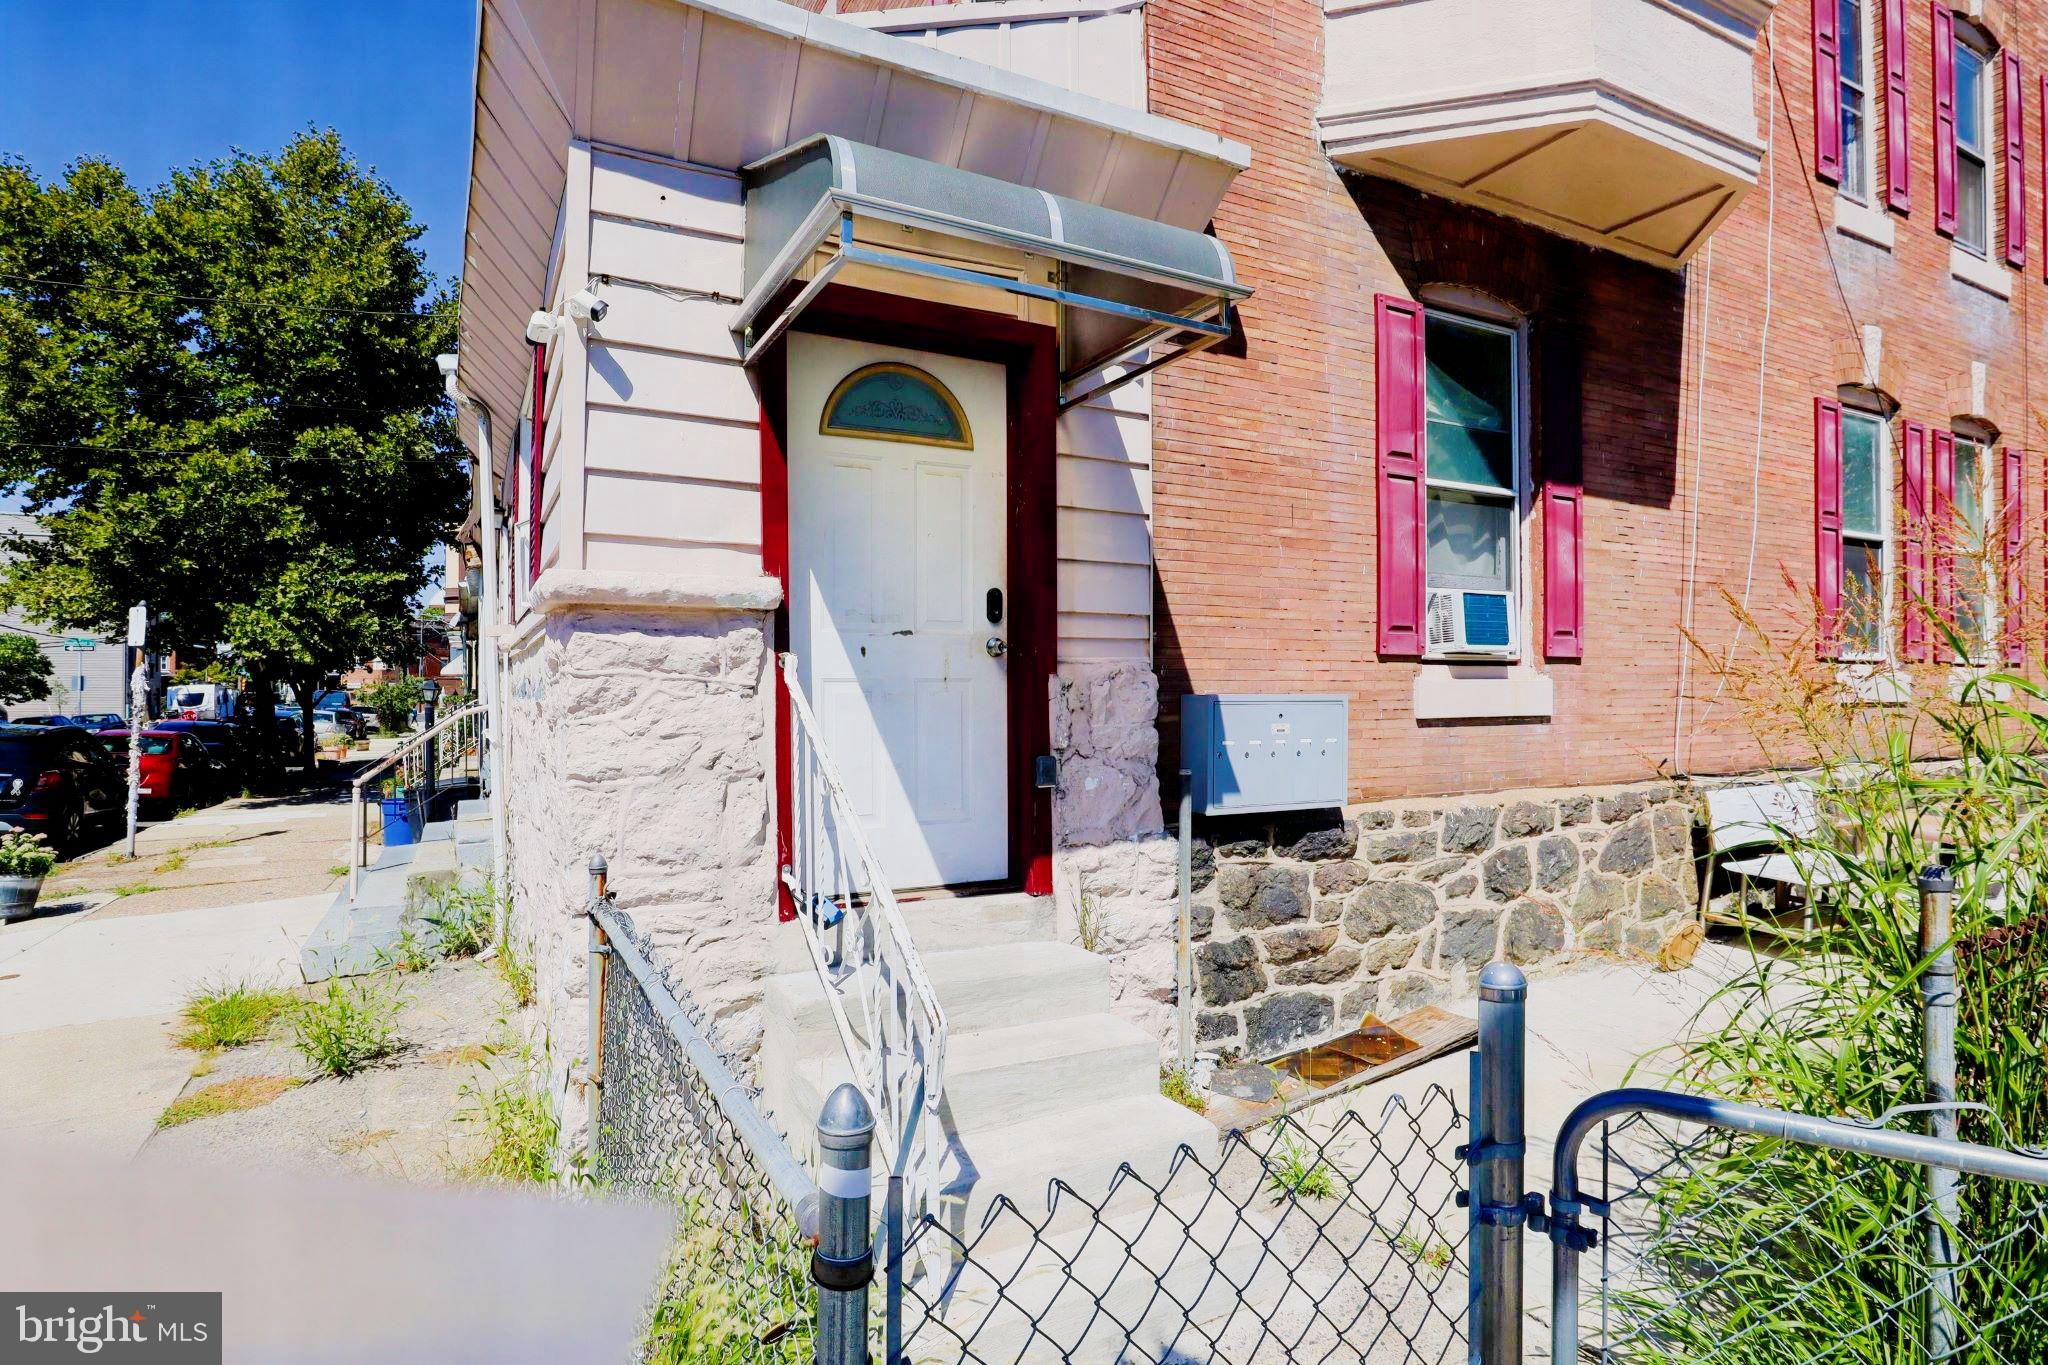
x=997, y=646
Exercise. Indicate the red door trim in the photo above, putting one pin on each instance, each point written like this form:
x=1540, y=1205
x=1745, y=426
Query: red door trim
x=1027, y=353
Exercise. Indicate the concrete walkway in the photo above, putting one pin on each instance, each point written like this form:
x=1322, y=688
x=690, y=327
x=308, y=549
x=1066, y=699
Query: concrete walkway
x=91, y=987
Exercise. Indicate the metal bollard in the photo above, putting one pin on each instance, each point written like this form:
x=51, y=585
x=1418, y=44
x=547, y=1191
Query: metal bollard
x=1938, y=1058
x=598, y=956
x=1499, y=1208
x=844, y=1263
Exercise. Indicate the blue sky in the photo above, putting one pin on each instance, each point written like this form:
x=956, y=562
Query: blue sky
x=157, y=84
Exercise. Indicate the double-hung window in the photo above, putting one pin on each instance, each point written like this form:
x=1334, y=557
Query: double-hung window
x=1472, y=467
x=1973, y=125
x=1866, y=534
x=1852, y=33
x=1971, y=550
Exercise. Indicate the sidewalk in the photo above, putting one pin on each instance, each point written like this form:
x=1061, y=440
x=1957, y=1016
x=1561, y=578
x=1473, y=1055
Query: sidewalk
x=91, y=986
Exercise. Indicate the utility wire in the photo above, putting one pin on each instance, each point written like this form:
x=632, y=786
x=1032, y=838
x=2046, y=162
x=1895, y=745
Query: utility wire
x=150, y=450
x=82, y=287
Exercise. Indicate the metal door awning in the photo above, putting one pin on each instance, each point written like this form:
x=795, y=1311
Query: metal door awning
x=1125, y=284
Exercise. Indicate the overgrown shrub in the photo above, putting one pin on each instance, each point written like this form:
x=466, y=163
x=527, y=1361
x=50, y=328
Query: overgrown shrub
x=393, y=703
x=521, y=1134
x=1806, y=1248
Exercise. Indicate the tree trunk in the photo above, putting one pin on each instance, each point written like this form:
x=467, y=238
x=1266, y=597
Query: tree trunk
x=306, y=687
x=263, y=721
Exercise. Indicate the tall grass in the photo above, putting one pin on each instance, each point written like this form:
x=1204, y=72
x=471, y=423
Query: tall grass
x=1766, y=1252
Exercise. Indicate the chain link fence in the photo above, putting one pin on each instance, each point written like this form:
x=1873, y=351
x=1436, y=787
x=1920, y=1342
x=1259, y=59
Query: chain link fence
x=672, y=1122
x=1725, y=1248
x=1292, y=1242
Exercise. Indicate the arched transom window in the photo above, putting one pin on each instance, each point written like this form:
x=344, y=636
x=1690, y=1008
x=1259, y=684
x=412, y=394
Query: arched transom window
x=895, y=402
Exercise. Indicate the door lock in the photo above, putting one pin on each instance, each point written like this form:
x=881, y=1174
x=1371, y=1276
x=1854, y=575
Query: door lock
x=997, y=646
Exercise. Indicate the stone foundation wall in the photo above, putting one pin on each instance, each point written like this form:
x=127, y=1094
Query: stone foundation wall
x=643, y=735
x=1305, y=924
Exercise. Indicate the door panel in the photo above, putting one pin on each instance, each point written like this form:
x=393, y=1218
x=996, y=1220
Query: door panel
x=894, y=546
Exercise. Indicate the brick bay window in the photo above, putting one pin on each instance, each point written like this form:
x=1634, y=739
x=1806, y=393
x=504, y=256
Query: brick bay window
x=1472, y=463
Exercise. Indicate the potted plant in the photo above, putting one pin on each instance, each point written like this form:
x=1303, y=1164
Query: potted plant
x=24, y=861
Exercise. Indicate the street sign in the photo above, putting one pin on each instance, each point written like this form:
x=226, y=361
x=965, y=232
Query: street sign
x=80, y=643
x=138, y=625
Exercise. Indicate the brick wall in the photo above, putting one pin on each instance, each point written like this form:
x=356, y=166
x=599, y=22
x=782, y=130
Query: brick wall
x=1263, y=501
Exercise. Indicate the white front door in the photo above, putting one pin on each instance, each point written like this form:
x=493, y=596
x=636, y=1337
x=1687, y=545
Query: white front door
x=897, y=551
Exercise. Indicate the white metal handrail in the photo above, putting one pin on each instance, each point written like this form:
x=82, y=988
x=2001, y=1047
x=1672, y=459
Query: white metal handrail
x=862, y=948
x=457, y=741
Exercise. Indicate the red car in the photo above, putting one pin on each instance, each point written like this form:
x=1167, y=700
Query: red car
x=176, y=768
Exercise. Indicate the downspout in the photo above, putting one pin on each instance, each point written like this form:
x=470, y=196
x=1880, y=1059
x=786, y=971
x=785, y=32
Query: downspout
x=487, y=646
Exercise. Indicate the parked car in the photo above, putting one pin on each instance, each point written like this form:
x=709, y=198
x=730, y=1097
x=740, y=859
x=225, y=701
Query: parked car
x=201, y=701
x=176, y=767
x=238, y=747
x=57, y=781
x=45, y=720
x=102, y=720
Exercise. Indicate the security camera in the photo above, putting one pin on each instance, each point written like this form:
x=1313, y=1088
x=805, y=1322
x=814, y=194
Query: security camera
x=584, y=306
x=540, y=328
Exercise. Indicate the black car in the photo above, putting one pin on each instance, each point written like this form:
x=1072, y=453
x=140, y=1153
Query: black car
x=56, y=780
x=238, y=747
x=100, y=720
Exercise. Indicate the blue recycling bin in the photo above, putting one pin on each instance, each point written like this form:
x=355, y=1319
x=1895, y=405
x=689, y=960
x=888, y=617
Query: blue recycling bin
x=397, y=821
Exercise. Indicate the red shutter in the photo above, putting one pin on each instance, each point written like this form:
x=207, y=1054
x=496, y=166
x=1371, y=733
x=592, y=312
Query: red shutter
x=1897, y=151
x=1944, y=119
x=2011, y=508
x=535, y=476
x=1941, y=536
x=1827, y=519
x=1402, y=552
x=2015, y=106
x=1913, y=608
x=1564, y=499
x=1827, y=93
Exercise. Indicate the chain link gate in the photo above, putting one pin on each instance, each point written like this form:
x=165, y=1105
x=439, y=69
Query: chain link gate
x=1684, y=1229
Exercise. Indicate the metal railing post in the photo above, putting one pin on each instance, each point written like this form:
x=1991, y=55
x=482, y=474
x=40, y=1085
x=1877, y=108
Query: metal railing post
x=599, y=953
x=844, y=1262
x=1495, y=1162
x=1938, y=1057
x=1185, y=980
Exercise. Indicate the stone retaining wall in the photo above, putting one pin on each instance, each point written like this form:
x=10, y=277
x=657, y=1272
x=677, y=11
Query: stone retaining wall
x=1304, y=924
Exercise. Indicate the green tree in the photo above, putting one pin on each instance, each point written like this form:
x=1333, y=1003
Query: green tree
x=220, y=397
x=25, y=670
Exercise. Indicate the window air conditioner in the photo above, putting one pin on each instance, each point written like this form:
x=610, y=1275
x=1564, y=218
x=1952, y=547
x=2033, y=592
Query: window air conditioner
x=1470, y=624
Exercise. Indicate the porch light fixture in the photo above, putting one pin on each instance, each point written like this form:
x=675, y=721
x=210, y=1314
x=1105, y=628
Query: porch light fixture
x=1133, y=294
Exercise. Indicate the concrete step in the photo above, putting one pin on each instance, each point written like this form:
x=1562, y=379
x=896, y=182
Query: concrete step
x=979, y=988
x=941, y=925
x=1084, y=1146
x=473, y=808
x=995, y=1074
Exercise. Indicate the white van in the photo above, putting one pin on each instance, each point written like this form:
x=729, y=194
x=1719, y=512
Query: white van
x=200, y=701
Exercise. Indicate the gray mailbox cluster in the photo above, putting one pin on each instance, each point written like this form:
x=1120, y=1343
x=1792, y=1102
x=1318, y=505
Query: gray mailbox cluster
x=1264, y=753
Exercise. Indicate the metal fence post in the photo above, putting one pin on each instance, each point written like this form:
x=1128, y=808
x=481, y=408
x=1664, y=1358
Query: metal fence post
x=599, y=951
x=1494, y=1159
x=844, y=1262
x=1938, y=1057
